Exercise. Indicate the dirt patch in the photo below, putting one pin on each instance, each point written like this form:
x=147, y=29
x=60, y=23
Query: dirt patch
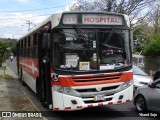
x=13, y=98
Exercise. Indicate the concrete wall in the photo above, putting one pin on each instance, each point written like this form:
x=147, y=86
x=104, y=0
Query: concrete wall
x=151, y=64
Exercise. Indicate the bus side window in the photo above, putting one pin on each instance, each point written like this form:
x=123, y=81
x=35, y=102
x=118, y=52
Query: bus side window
x=35, y=43
x=46, y=41
x=56, y=37
x=56, y=48
x=24, y=49
x=28, y=48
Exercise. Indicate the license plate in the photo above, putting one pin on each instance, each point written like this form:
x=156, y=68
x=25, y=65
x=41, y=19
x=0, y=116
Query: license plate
x=99, y=97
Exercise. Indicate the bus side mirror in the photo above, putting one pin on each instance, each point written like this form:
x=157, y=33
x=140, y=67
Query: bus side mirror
x=46, y=41
x=131, y=38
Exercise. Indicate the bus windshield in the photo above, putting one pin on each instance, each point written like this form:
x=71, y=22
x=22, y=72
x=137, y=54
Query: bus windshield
x=91, y=49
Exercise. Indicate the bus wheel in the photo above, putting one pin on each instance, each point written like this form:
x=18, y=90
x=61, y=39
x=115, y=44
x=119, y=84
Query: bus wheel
x=43, y=100
x=37, y=88
x=44, y=104
x=22, y=78
x=23, y=83
x=20, y=75
x=40, y=92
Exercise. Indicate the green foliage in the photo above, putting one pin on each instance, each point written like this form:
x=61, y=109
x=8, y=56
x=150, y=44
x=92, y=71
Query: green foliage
x=2, y=68
x=6, y=77
x=13, y=49
x=153, y=48
x=11, y=44
x=4, y=51
x=137, y=33
x=137, y=49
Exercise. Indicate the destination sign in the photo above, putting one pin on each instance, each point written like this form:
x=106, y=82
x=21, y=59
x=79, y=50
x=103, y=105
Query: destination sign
x=70, y=19
x=101, y=19
x=93, y=19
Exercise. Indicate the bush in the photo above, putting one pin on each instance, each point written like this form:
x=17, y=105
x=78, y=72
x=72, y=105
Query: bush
x=137, y=49
x=153, y=49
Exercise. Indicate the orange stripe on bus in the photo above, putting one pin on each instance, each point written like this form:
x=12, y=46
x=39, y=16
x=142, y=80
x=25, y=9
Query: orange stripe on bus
x=68, y=81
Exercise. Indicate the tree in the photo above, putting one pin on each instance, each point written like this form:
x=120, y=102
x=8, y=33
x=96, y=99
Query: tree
x=134, y=8
x=144, y=16
x=153, y=48
x=11, y=43
x=4, y=52
x=156, y=20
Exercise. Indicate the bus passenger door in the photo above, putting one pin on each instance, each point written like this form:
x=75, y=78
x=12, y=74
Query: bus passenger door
x=44, y=69
x=18, y=55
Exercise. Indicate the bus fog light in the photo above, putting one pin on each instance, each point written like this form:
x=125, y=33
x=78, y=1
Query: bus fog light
x=74, y=101
x=127, y=84
x=60, y=89
x=120, y=97
x=68, y=90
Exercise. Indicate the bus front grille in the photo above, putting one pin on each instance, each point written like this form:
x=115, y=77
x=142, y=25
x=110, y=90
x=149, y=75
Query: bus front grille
x=94, y=89
x=96, y=78
x=92, y=101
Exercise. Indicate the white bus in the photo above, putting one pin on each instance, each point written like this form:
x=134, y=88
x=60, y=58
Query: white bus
x=75, y=60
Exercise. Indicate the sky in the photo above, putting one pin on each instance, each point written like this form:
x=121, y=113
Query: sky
x=16, y=14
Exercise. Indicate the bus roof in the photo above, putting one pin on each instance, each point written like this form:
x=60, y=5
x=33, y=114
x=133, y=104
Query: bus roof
x=57, y=17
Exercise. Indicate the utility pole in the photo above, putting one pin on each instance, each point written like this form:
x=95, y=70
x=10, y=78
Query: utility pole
x=29, y=24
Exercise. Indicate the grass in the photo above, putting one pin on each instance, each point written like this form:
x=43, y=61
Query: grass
x=6, y=77
x=2, y=68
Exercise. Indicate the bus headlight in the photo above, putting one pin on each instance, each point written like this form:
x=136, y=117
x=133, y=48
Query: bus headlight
x=128, y=83
x=63, y=90
x=136, y=81
x=124, y=86
x=68, y=90
x=60, y=89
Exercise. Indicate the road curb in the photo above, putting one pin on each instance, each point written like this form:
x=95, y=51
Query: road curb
x=10, y=72
x=44, y=118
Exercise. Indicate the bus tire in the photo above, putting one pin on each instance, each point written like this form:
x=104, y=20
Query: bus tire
x=23, y=83
x=21, y=77
x=43, y=101
x=39, y=92
x=37, y=88
x=44, y=104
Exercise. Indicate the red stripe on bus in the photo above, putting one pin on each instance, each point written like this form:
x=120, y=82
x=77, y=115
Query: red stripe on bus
x=119, y=101
x=90, y=105
x=127, y=100
x=100, y=104
x=109, y=103
x=79, y=106
x=56, y=108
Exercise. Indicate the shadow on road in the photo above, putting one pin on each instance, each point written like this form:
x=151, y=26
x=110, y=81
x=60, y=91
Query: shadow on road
x=96, y=112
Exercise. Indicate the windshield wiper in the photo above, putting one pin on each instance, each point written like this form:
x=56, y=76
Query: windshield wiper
x=114, y=47
x=141, y=74
x=108, y=39
x=109, y=36
x=80, y=33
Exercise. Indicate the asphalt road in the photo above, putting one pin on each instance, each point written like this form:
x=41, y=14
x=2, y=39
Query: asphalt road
x=111, y=112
